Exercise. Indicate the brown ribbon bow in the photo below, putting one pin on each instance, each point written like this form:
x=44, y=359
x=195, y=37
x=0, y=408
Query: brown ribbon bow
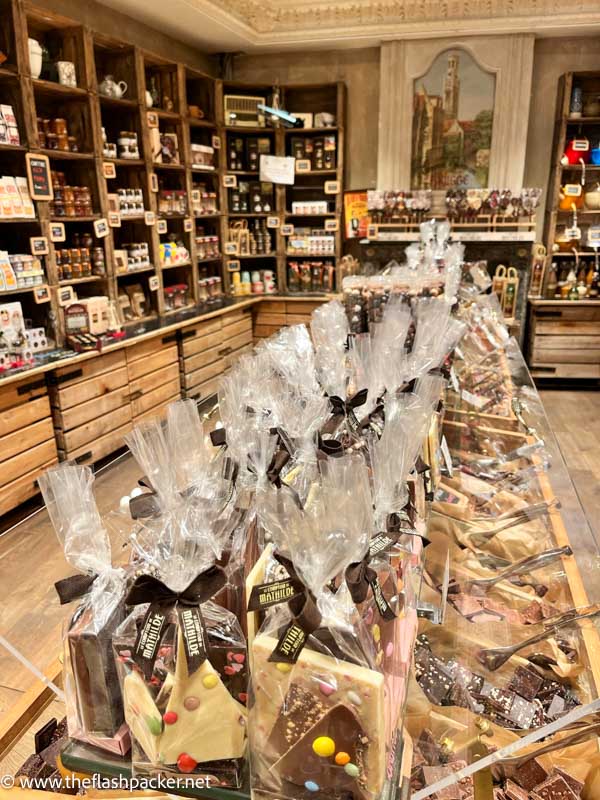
x=360, y=577
x=163, y=602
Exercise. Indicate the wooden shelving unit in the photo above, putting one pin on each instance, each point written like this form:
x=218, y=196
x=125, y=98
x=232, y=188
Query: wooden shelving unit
x=187, y=103
x=559, y=342
x=310, y=185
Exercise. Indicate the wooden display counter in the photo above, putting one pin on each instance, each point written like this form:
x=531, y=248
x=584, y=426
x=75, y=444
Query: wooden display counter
x=563, y=338
x=81, y=407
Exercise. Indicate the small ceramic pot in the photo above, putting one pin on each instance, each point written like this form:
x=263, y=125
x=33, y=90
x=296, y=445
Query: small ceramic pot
x=35, y=58
x=592, y=199
x=66, y=73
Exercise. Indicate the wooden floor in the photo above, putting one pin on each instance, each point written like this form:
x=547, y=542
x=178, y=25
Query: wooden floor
x=31, y=559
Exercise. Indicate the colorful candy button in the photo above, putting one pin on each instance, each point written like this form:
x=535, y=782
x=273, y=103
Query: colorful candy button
x=389, y=649
x=341, y=759
x=311, y=786
x=324, y=746
x=210, y=681
x=354, y=699
x=186, y=763
x=170, y=717
x=376, y=632
x=154, y=725
x=352, y=770
x=283, y=667
x=326, y=689
x=191, y=703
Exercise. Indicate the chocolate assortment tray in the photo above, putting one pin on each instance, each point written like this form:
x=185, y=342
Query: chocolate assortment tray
x=505, y=693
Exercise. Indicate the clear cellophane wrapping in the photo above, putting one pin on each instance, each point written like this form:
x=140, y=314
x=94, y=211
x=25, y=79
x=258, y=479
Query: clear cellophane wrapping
x=184, y=696
x=94, y=707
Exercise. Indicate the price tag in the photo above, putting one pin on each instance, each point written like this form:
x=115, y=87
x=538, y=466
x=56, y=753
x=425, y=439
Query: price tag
x=273, y=222
x=233, y=266
x=66, y=296
x=114, y=219
x=38, y=174
x=216, y=142
x=39, y=245
x=303, y=165
x=331, y=225
x=581, y=145
x=230, y=181
x=593, y=236
x=153, y=182
x=572, y=189
x=372, y=232
x=287, y=230
x=41, y=294
x=57, y=232
x=331, y=187
x=101, y=228
x=108, y=170
x=150, y=218
x=188, y=225
x=153, y=283
x=573, y=233
x=161, y=225
x=231, y=248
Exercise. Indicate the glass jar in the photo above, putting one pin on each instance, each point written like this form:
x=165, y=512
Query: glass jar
x=63, y=141
x=76, y=269
x=169, y=298
x=86, y=264
x=181, y=295
x=52, y=141
x=73, y=146
x=58, y=125
x=67, y=268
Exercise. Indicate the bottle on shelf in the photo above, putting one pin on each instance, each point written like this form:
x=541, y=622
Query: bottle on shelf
x=552, y=285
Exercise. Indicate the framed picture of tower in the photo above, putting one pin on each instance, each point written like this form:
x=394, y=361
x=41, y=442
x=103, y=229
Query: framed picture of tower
x=453, y=114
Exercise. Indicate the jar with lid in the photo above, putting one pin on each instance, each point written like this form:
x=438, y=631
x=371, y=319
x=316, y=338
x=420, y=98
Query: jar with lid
x=62, y=141
x=98, y=263
x=203, y=290
x=87, y=240
x=66, y=266
x=73, y=146
x=58, y=125
x=169, y=298
x=181, y=295
x=52, y=141
x=76, y=268
x=86, y=264
x=59, y=265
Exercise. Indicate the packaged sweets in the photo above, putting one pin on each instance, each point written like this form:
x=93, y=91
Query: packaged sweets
x=181, y=657
x=94, y=707
x=317, y=719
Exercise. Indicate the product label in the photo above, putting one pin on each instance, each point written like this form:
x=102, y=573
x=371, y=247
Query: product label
x=382, y=604
x=382, y=543
x=290, y=644
x=271, y=594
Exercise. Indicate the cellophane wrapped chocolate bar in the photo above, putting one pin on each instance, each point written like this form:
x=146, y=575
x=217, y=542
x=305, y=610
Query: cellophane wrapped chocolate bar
x=94, y=706
x=181, y=656
x=317, y=716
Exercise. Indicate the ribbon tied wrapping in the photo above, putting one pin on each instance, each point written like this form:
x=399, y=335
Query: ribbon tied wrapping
x=163, y=602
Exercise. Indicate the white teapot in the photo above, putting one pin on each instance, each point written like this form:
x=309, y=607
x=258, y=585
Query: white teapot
x=111, y=88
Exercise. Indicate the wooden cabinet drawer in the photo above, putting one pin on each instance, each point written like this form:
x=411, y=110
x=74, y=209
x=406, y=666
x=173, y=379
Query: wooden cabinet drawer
x=26, y=461
x=22, y=488
x=92, y=409
x=299, y=319
x=241, y=326
x=197, y=344
x=205, y=373
x=18, y=417
x=204, y=390
x=268, y=318
x=98, y=426
x=566, y=327
x=21, y=393
x=232, y=317
x=264, y=331
x=302, y=306
x=98, y=365
x=271, y=307
x=230, y=359
x=64, y=397
x=99, y=448
x=163, y=393
x=152, y=380
x=202, y=359
x=152, y=361
x=25, y=438
x=151, y=346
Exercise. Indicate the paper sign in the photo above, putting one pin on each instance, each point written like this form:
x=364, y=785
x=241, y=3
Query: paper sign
x=277, y=169
x=161, y=226
x=272, y=222
x=38, y=173
x=153, y=283
x=57, y=232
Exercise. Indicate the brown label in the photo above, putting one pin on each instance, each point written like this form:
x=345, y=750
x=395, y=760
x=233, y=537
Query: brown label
x=194, y=639
x=382, y=543
x=384, y=608
x=148, y=640
x=290, y=644
x=271, y=594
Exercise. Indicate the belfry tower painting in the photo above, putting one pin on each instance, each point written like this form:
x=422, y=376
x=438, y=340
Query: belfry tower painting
x=451, y=87
x=453, y=116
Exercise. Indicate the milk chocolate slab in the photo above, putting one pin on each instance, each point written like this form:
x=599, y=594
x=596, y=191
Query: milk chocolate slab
x=526, y=682
x=554, y=788
x=576, y=785
x=330, y=682
x=301, y=763
x=530, y=774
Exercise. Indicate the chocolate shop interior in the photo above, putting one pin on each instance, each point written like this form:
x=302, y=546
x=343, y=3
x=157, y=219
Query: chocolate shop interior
x=299, y=363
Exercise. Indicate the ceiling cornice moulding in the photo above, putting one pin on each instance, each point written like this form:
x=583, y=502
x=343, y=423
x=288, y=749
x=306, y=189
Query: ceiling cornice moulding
x=273, y=23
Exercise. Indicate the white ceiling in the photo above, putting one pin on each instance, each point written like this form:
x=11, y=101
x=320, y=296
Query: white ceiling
x=262, y=25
